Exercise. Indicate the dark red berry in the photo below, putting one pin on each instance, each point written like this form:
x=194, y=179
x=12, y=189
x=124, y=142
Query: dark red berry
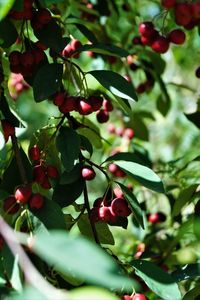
x=1, y=242
x=8, y=129
x=10, y=205
x=34, y=153
x=70, y=104
x=39, y=174
x=43, y=16
x=107, y=215
x=46, y=184
x=177, y=36
x=146, y=28
x=119, y=207
x=102, y=116
x=84, y=107
x=15, y=58
x=59, y=98
x=160, y=44
x=197, y=72
x=168, y=3
x=36, y=201
x=52, y=171
x=183, y=14
x=88, y=173
x=96, y=102
x=107, y=105
x=138, y=297
x=23, y=193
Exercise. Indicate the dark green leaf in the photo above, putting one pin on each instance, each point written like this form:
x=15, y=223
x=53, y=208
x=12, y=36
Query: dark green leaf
x=71, y=176
x=193, y=294
x=187, y=272
x=104, y=49
x=160, y=282
x=82, y=257
x=66, y=194
x=49, y=2
x=87, y=33
x=51, y=36
x=133, y=203
x=194, y=118
x=115, y=83
x=8, y=33
x=68, y=144
x=30, y=293
x=127, y=156
x=5, y=109
x=163, y=105
x=5, y=6
x=86, y=145
x=47, y=81
x=50, y=215
x=103, y=232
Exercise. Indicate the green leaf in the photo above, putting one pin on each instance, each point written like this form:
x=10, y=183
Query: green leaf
x=92, y=133
x=49, y=2
x=8, y=33
x=30, y=293
x=91, y=293
x=86, y=145
x=187, y=272
x=5, y=109
x=160, y=282
x=51, y=36
x=104, y=49
x=50, y=215
x=127, y=156
x=163, y=105
x=78, y=255
x=66, y=194
x=5, y=6
x=47, y=81
x=142, y=174
x=133, y=203
x=115, y=83
x=87, y=33
x=104, y=234
x=192, y=294
x=68, y=144
x=71, y=176
x=194, y=118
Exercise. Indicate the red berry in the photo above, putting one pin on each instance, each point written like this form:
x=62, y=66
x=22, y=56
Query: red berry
x=197, y=72
x=138, y=297
x=98, y=202
x=34, y=153
x=27, y=59
x=70, y=104
x=119, y=131
x=43, y=16
x=84, y=108
x=196, y=11
x=168, y=3
x=156, y=217
x=39, y=174
x=107, y=105
x=112, y=59
x=160, y=44
x=1, y=242
x=38, y=55
x=106, y=214
x=67, y=51
x=52, y=171
x=15, y=58
x=23, y=193
x=58, y=98
x=102, y=116
x=75, y=44
x=129, y=133
x=177, y=36
x=146, y=28
x=111, y=128
x=113, y=168
x=95, y=102
x=41, y=46
x=141, y=88
x=136, y=40
x=36, y=201
x=94, y=214
x=183, y=14
x=46, y=184
x=8, y=129
x=119, y=207
x=88, y=173
x=10, y=205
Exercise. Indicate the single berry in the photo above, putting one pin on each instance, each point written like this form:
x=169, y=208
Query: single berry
x=168, y=3
x=107, y=105
x=15, y=58
x=27, y=59
x=46, y=184
x=138, y=297
x=177, y=36
x=160, y=44
x=70, y=104
x=36, y=201
x=96, y=102
x=146, y=28
x=8, y=129
x=119, y=131
x=34, y=153
x=126, y=297
x=98, y=202
x=197, y=72
x=23, y=193
x=156, y=217
x=94, y=214
x=88, y=173
x=52, y=171
x=84, y=107
x=10, y=205
x=129, y=133
x=43, y=16
x=39, y=173
x=102, y=116
x=59, y=98
x=111, y=128
x=119, y=207
x=196, y=11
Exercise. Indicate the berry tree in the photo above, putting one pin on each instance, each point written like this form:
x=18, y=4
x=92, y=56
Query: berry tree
x=99, y=150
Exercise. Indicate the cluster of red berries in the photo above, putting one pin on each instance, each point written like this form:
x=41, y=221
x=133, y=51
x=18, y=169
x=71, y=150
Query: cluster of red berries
x=42, y=173
x=155, y=218
x=109, y=211
x=25, y=14
x=135, y=296
x=116, y=171
x=27, y=62
x=120, y=131
x=70, y=49
x=159, y=43
x=7, y=128
x=17, y=85
x=84, y=106
x=23, y=195
x=186, y=14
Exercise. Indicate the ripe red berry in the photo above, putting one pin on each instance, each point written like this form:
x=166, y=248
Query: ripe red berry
x=88, y=173
x=94, y=214
x=15, y=58
x=8, y=129
x=38, y=55
x=119, y=207
x=138, y=297
x=156, y=217
x=177, y=36
x=129, y=133
x=107, y=215
x=39, y=174
x=46, y=184
x=58, y=98
x=70, y=104
x=23, y=193
x=136, y=40
x=43, y=16
x=113, y=168
x=36, y=201
x=34, y=153
x=75, y=44
x=183, y=14
x=168, y=3
x=84, y=108
x=160, y=44
x=41, y=46
x=52, y=171
x=102, y=116
x=146, y=28
x=197, y=72
x=10, y=205
x=107, y=105
x=95, y=102
x=27, y=59
x=67, y=51
x=196, y=11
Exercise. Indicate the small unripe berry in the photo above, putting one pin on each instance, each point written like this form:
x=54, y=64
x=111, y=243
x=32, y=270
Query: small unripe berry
x=10, y=205
x=36, y=201
x=88, y=173
x=34, y=153
x=23, y=193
